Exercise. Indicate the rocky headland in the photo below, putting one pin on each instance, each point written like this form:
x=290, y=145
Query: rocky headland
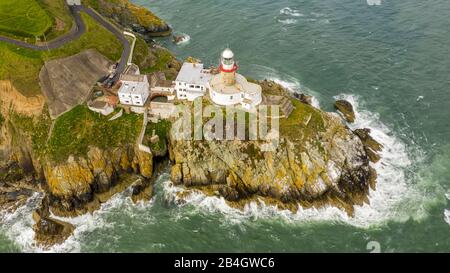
x=128, y=15
x=76, y=164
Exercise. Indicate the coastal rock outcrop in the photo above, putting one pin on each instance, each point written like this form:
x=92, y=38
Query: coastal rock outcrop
x=129, y=15
x=78, y=185
x=49, y=231
x=319, y=161
x=346, y=109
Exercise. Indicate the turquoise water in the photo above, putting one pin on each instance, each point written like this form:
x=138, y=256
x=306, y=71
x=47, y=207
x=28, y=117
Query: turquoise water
x=391, y=60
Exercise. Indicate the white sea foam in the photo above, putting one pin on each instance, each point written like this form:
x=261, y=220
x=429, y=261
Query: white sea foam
x=291, y=12
x=385, y=203
x=447, y=216
x=288, y=21
x=184, y=40
x=18, y=226
x=287, y=81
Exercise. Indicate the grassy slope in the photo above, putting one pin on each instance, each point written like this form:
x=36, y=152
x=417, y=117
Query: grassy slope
x=74, y=132
x=22, y=66
x=58, y=10
x=23, y=18
x=80, y=128
x=305, y=124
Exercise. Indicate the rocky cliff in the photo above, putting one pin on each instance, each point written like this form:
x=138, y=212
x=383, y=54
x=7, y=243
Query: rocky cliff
x=80, y=184
x=319, y=161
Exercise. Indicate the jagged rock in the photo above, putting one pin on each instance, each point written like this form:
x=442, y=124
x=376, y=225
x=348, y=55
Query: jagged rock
x=346, y=108
x=366, y=138
x=176, y=174
x=371, y=146
x=304, y=98
x=178, y=39
x=49, y=231
x=373, y=156
x=142, y=190
x=79, y=184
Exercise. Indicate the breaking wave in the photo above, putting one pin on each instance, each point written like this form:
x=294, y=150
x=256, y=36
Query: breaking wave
x=394, y=198
x=184, y=39
x=18, y=226
x=291, y=12
x=447, y=212
x=288, y=21
x=289, y=82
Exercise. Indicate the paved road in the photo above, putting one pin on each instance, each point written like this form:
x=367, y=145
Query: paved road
x=76, y=32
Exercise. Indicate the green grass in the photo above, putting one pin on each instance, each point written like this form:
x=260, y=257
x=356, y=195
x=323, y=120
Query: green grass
x=163, y=57
x=75, y=131
x=24, y=18
x=96, y=37
x=61, y=16
x=162, y=129
x=22, y=66
x=295, y=127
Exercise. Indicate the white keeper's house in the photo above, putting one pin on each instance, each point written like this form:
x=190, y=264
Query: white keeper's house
x=192, y=81
x=135, y=89
x=231, y=88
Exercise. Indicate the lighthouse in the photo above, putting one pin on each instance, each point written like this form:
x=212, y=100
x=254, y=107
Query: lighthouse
x=231, y=88
x=228, y=67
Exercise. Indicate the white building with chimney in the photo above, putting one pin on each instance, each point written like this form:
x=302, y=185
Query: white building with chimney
x=192, y=81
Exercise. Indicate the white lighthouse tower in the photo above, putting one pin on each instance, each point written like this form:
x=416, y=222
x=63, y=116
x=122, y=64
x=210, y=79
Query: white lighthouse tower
x=228, y=67
x=230, y=87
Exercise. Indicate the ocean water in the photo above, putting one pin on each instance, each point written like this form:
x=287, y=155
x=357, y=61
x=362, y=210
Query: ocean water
x=390, y=58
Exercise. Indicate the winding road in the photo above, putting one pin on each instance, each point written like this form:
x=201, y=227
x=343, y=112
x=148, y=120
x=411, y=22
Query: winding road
x=76, y=33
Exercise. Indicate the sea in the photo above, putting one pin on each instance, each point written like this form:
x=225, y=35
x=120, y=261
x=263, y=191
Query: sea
x=390, y=58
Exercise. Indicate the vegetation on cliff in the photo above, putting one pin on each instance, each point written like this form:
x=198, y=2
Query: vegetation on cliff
x=75, y=131
x=155, y=59
x=161, y=129
x=35, y=129
x=130, y=15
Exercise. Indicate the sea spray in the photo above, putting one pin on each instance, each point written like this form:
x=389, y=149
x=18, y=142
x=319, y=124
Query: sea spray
x=287, y=81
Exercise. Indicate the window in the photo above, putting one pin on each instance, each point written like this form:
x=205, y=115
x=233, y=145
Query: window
x=191, y=86
x=231, y=97
x=228, y=61
x=197, y=86
x=136, y=97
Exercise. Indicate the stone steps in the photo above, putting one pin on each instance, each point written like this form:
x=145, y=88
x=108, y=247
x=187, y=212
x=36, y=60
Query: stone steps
x=286, y=106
